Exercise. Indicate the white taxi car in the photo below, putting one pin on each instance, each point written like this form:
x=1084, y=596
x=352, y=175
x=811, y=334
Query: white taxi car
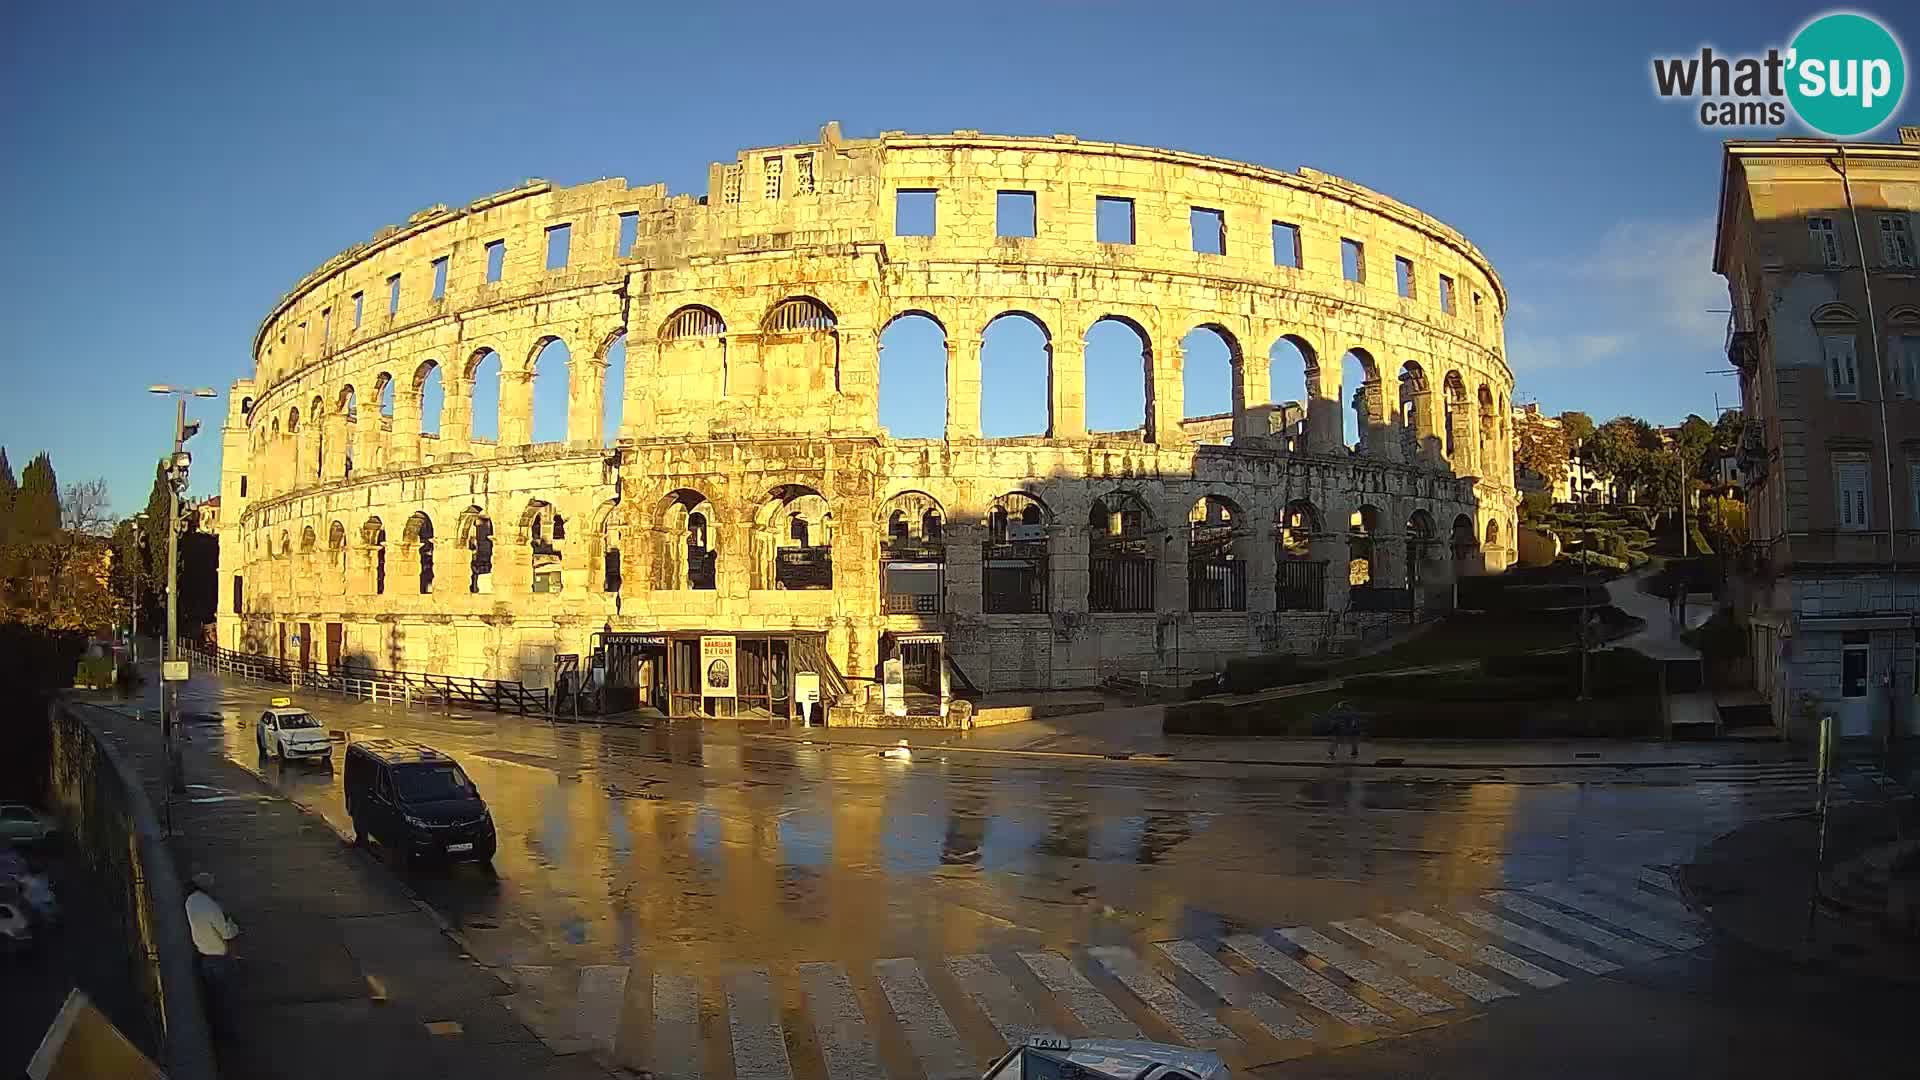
x=292, y=734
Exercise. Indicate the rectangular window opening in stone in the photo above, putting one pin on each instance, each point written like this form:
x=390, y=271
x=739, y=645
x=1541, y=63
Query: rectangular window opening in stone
x=1209, y=231
x=1112, y=220
x=1896, y=241
x=730, y=185
x=393, y=294
x=1015, y=214
x=303, y=337
x=237, y=591
x=1286, y=245
x=1353, y=260
x=559, y=243
x=1479, y=313
x=1843, y=367
x=359, y=302
x=1446, y=294
x=1851, y=492
x=914, y=212
x=326, y=324
x=629, y=232
x=243, y=487
x=772, y=168
x=1826, y=240
x=803, y=174
x=1403, y=279
x=496, y=260
x=440, y=278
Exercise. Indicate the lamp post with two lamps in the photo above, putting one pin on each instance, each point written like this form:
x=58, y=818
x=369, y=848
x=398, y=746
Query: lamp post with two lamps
x=176, y=466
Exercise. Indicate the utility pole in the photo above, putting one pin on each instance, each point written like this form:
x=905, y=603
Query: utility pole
x=175, y=469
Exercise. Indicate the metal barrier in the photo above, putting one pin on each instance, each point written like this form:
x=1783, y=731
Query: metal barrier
x=376, y=684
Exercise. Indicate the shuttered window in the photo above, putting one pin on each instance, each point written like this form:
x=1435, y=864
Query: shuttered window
x=1850, y=487
x=1896, y=242
x=1826, y=241
x=1843, y=366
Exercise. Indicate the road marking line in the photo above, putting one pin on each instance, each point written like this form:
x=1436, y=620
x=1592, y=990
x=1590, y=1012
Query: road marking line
x=1645, y=925
x=759, y=1042
x=1294, y=975
x=603, y=993
x=1658, y=880
x=1538, y=942
x=1561, y=921
x=1280, y=1021
x=1423, y=963
x=1012, y=1014
x=1057, y=974
x=1660, y=905
x=845, y=1043
x=929, y=1032
x=1196, y=1025
x=1498, y=959
x=1364, y=971
x=676, y=1026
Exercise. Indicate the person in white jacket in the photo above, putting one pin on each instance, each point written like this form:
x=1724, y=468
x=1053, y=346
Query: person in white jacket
x=212, y=929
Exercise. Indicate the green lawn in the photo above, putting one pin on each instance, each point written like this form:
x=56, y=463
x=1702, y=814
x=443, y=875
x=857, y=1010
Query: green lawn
x=1457, y=639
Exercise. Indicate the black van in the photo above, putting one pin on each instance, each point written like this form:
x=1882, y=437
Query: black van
x=416, y=801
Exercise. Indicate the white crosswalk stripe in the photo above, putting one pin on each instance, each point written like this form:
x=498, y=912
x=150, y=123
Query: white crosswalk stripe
x=603, y=995
x=1546, y=916
x=753, y=1017
x=1057, y=974
x=1195, y=960
x=1294, y=976
x=1012, y=1014
x=1364, y=971
x=1423, y=963
x=1538, y=942
x=1196, y=1025
x=1645, y=925
x=1671, y=909
x=676, y=1026
x=845, y=1044
x=929, y=1032
x=1497, y=959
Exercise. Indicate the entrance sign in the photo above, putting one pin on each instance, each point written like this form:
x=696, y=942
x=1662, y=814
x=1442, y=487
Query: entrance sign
x=173, y=671
x=717, y=666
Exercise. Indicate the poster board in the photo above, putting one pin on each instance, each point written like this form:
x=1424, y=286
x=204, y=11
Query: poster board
x=719, y=675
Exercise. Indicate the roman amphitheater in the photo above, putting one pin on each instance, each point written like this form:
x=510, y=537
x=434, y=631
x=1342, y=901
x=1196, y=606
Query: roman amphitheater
x=725, y=480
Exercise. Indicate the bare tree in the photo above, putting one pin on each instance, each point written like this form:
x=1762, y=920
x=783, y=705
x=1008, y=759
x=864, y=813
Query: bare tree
x=83, y=509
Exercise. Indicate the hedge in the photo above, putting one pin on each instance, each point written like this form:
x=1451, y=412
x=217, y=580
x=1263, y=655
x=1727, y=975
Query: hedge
x=1252, y=674
x=1623, y=717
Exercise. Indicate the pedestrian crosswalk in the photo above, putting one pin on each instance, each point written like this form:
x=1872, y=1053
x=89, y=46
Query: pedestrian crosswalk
x=1253, y=995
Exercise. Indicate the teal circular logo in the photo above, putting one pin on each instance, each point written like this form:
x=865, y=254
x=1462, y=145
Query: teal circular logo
x=1848, y=74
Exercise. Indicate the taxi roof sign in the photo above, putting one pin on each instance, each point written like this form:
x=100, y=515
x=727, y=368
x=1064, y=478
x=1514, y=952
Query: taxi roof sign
x=282, y=702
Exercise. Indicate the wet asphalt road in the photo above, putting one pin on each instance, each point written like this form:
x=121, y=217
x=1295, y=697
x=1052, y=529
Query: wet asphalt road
x=633, y=854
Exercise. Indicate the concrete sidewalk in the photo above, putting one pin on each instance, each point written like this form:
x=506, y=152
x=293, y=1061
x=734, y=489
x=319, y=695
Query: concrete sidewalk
x=341, y=971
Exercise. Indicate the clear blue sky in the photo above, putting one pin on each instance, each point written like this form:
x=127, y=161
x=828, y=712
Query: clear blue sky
x=172, y=168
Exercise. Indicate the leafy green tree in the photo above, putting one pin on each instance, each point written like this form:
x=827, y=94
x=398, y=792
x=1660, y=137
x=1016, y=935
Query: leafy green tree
x=1575, y=427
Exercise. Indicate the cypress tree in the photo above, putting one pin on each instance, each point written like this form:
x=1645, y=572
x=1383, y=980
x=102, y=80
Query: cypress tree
x=36, y=508
x=9, y=487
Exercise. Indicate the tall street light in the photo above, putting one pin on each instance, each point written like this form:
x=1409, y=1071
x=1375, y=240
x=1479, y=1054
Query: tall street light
x=176, y=466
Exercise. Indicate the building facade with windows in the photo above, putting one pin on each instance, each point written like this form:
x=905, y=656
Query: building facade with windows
x=718, y=366
x=1816, y=241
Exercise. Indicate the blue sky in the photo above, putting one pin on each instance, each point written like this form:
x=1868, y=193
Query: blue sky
x=172, y=169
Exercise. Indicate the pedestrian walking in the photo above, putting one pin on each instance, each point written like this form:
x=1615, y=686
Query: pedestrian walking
x=212, y=929
x=1346, y=728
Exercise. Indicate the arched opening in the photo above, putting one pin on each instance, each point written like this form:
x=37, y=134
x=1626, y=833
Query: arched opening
x=1209, y=360
x=543, y=529
x=793, y=540
x=418, y=539
x=476, y=539
x=483, y=391
x=1493, y=534
x=1423, y=546
x=349, y=406
x=688, y=553
x=1489, y=433
x=1294, y=370
x=913, y=555
x=1216, y=559
x=1014, y=562
x=317, y=421
x=1465, y=545
x=337, y=549
x=1119, y=378
x=374, y=536
x=552, y=371
x=432, y=395
x=1360, y=389
x=693, y=347
x=1459, y=422
x=309, y=541
x=1416, y=410
x=1125, y=542
x=611, y=572
x=913, y=377
x=383, y=392
x=1016, y=364
x=613, y=392
x=1363, y=552
x=1300, y=582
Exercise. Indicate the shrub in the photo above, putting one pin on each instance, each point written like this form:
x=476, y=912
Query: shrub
x=94, y=673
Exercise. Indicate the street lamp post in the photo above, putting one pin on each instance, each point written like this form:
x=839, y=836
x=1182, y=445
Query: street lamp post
x=177, y=465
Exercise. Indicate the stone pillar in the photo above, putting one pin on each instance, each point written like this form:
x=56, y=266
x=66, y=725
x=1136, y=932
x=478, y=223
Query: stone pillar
x=1171, y=589
x=1257, y=548
x=1166, y=403
x=1325, y=426
x=369, y=442
x=456, y=418
x=335, y=435
x=963, y=388
x=586, y=402
x=737, y=369
x=1067, y=378
x=1465, y=440
x=516, y=407
x=1425, y=429
x=1379, y=434
x=1068, y=558
x=637, y=408
x=966, y=572
x=1252, y=395
x=403, y=447
x=859, y=406
x=733, y=565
